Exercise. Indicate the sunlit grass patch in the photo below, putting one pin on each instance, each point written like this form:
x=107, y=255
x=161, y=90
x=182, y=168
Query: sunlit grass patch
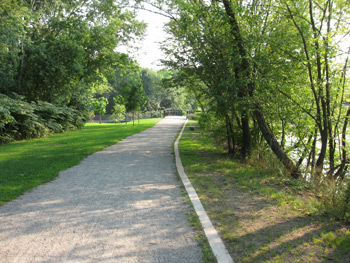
x=339, y=239
x=27, y=164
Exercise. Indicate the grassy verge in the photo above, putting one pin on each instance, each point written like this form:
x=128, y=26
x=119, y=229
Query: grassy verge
x=200, y=237
x=27, y=164
x=261, y=216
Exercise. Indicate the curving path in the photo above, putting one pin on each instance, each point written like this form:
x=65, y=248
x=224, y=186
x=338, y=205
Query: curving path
x=122, y=204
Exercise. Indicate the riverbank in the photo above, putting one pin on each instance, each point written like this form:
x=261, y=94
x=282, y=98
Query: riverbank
x=261, y=216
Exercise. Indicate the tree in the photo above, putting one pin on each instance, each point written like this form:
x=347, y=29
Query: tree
x=55, y=50
x=317, y=36
x=272, y=65
x=203, y=49
x=61, y=53
x=100, y=107
x=151, y=83
x=118, y=109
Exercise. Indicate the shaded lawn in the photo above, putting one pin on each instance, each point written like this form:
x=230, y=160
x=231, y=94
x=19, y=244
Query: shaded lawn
x=260, y=218
x=27, y=164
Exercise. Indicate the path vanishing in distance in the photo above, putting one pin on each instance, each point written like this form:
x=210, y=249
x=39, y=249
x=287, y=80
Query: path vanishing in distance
x=122, y=204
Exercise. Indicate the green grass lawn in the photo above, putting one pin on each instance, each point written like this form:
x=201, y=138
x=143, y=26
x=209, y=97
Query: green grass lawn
x=27, y=164
x=261, y=215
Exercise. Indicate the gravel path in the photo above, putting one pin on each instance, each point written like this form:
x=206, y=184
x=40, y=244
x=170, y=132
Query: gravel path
x=122, y=204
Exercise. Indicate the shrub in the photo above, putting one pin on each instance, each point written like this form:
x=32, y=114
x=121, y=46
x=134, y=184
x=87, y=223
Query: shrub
x=22, y=120
x=206, y=120
x=5, y=119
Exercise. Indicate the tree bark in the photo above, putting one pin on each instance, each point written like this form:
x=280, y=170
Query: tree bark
x=242, y=72
x=341, y=171
x=246, y=134
x=229, y=134
x=20, y=69
x=274, y=145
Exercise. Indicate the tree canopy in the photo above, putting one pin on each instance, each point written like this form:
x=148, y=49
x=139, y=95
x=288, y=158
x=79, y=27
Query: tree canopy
x=62, y=52
x=271, y=70
x=268, y=72
x=55, y=50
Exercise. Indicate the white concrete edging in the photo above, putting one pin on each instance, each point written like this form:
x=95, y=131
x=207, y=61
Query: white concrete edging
x=215, y=242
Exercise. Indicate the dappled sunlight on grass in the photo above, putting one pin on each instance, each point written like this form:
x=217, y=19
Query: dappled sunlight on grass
x=261, y=215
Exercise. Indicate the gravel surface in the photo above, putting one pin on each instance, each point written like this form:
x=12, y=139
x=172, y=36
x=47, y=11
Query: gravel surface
x=122, y=204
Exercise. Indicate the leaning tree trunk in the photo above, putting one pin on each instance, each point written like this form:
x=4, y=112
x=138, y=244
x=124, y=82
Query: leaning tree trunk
x=274, y=145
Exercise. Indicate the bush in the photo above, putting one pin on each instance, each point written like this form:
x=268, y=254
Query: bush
x=195, y=115
x=22, y=120
x=214, y=126
x=206, y=120
x=335, y=196
x=5, y=119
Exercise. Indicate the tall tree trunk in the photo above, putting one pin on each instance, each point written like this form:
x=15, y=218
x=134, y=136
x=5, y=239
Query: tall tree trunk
x=246, y=134
x=313, y=160
x=232, y=137
x=230, y=143
x=242, y=72
x=342, y=168
x=246, y=73
x=283, y=134
x=323, y=114
x=331, y=143
x=20, y=69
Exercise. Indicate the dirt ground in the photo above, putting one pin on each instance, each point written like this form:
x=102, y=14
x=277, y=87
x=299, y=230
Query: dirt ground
x=257, y=229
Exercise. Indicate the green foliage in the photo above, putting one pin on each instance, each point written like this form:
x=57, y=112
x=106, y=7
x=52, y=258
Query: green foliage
x=62, y=52
x=192, y=87
x=206, y=120
x=335, y=197
x=261, y=218
x=147, y=90
x=273, y=70
x=334, y=240
x=100, y=106
x=346, y=201
x=127, y=87
x=155, y=93
x=213, y=125
x=119, y=110
x=134, y=98
x=27, y=164
x=22, y=120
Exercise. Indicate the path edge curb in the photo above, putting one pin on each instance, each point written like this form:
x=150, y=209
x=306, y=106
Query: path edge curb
x=215, y=242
